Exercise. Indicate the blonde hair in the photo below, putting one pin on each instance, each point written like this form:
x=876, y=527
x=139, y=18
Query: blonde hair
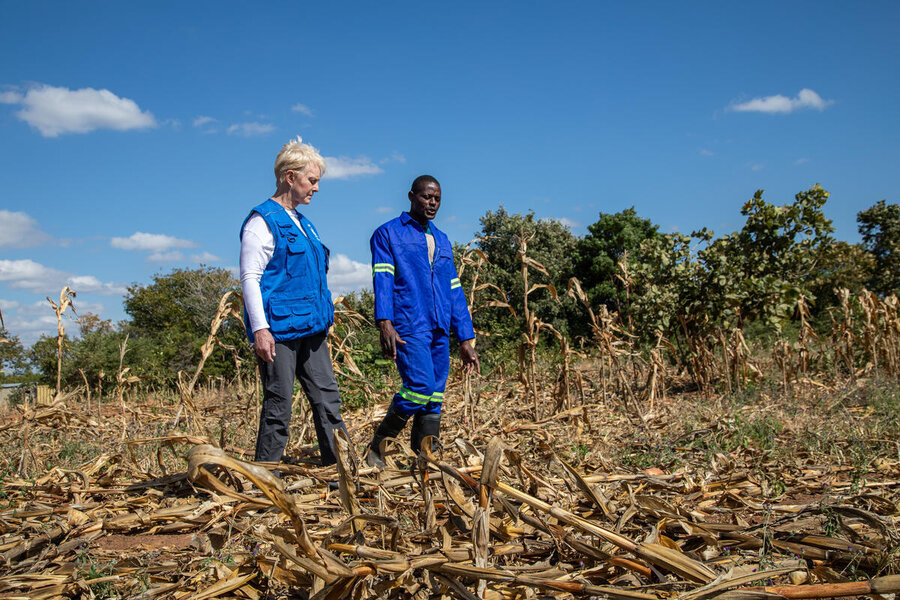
x=296, y=156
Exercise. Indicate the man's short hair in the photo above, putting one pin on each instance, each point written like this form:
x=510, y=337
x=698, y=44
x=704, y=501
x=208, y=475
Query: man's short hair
x=421, y=180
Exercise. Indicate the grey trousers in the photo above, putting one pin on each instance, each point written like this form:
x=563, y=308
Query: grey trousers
x=309, y=359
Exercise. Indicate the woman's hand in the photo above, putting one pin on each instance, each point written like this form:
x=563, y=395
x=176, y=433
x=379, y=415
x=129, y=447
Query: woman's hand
x=264, y=344
x=389, y=339
x=469, y=357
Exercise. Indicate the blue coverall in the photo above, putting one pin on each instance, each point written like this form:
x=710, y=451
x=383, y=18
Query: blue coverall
x=425, y=302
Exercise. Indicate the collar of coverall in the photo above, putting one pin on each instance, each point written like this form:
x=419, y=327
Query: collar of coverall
x=406, y=218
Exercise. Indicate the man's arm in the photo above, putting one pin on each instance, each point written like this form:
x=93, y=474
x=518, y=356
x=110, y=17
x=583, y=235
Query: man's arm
x=383, y=284
x=389, y=338
x=461, y=324
x=469, y=356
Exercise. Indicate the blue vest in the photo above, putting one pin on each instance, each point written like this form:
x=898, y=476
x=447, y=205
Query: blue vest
x=294, y=289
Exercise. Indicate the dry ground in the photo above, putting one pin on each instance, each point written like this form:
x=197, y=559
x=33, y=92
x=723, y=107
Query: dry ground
x=691, y=498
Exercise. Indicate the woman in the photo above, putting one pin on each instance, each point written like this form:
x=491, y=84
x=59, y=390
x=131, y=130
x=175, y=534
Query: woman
x=287, y=305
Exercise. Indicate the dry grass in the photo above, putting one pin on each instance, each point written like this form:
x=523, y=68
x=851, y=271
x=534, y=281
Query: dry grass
x=709, y=494
x=597, y=473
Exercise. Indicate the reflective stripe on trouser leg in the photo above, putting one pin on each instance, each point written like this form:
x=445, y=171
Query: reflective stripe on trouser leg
x=423, y=363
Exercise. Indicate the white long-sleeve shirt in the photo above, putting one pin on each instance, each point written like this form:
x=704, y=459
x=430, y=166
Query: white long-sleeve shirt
x=257, y=248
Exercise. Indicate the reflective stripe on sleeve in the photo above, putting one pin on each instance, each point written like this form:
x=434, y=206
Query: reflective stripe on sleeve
x=382, y=268
x=454, y=283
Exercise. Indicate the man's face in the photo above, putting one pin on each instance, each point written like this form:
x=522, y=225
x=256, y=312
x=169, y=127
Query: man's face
x=425, y=201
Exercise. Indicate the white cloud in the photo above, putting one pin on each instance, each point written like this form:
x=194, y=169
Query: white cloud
x=806, y=98
x=801, y=161
x=89, y=284
x=343, y=167
x=19, y=230
x=90, y=307
x=205, y=257
x=250, y=129
x=705, y=152
x=8, y=304
x=203, y=120
x=34, y=320
x=565, y=222
x=757, y=167
x=347, y=275
x=29, y=275
x=153, y=242
x=29, y=329
x=38, y=307
x=57, y=110
x=384, y=209
x=173, y=256
x=302, y=109
x=11, y=98
x=394, y=157
x=39, y=324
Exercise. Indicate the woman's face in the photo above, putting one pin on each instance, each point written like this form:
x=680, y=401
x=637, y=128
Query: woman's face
x=304, y=184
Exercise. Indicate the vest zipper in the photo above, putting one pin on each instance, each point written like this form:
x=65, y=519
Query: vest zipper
x=316, y=254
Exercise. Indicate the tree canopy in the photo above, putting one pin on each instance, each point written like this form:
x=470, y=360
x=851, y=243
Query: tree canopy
x=879, y=227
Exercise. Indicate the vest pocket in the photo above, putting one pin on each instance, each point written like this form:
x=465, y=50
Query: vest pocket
x=302, y=317
x=295, y=259
x=293, y=317
x=279, y=317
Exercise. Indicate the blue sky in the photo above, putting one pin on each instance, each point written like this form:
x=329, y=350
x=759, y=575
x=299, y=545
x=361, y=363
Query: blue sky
x=135, y=137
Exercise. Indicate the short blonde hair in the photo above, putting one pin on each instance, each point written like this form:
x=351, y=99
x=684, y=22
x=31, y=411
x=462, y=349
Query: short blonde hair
x=296, y=156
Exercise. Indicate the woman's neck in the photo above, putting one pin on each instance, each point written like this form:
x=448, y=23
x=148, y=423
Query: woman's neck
x=284, y=199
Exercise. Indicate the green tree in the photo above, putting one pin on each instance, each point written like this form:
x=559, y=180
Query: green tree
x=668, y=286
x=599, y=252
x=13, y=360
x=42, y=358
x=840, y=265
x=170, y=322
x=175, y=311
x=184, y=299
x=880, y=230
x=552, y=245
x=761, y=270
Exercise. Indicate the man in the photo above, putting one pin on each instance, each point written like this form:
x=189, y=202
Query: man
x=418, y=302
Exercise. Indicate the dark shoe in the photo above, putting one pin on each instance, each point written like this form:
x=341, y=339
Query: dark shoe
x=333, y=485
x=392, y=424
x=373, y=459
x=423, y=426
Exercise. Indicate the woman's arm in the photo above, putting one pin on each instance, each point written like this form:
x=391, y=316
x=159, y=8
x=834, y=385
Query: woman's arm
x=257, y=248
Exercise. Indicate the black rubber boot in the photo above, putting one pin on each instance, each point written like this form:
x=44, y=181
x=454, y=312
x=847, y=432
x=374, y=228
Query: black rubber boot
x=392, y=424
x=423, y=426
